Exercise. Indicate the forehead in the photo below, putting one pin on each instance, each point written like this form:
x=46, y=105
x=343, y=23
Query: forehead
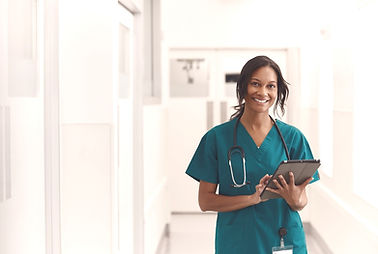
x=265, y=73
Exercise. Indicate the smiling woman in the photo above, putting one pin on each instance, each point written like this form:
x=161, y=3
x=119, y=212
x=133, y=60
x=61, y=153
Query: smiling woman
x=246, y=223
x=261, y=72
x=262, y=90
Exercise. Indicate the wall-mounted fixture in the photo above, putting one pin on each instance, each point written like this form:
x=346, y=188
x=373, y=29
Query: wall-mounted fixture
x=191, y=65
x=231, y=77
x=189, y=77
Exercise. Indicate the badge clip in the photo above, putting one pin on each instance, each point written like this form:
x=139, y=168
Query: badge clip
x=282, y=249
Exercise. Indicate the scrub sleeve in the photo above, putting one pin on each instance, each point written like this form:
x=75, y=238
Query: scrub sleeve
x=204, y=165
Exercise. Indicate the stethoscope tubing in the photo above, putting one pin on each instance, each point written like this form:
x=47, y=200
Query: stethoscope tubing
x=239, y=149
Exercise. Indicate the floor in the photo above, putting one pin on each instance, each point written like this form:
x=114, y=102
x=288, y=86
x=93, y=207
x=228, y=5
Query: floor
x=186, y=229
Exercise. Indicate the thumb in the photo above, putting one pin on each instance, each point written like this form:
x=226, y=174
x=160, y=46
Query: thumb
x=259, y=188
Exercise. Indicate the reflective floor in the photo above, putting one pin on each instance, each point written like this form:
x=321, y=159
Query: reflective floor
x=194, y=233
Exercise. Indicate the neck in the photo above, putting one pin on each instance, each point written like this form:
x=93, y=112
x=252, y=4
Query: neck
x=256, y=120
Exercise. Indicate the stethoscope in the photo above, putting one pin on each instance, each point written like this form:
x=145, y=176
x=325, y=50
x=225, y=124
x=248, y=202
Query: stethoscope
x=238, y=149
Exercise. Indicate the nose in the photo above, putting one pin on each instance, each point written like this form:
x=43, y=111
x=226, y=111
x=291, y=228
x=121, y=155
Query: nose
x=262, y=90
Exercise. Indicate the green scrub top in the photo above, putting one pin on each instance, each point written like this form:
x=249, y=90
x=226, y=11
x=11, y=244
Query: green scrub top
x=253, y=229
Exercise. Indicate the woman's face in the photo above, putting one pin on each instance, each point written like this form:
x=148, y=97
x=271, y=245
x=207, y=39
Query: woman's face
x=262, y=90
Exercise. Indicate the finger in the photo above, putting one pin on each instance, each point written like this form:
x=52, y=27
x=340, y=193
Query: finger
x=259, y=188
x=283, y=181
x=308, y=180
x=272, y=190
x=278, y=185
x=292, y=180
x=264, y=179
x=267, y=179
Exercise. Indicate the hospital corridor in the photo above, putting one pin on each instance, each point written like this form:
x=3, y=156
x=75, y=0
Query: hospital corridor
x=177, y=127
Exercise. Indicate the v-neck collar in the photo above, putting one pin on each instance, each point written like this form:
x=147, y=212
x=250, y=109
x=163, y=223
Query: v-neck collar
x=265, y=142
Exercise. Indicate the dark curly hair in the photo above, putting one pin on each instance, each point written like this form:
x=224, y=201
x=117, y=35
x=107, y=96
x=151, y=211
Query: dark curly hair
x=245, y=75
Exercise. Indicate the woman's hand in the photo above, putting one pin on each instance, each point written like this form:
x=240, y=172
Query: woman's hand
x=209, y=200
x=295, y=195
x=259, y=188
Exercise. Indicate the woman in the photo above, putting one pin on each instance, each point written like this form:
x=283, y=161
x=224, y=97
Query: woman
x=245, y=223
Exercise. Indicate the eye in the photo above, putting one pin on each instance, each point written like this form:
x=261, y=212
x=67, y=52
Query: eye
x=271, y=86
x=255, y=84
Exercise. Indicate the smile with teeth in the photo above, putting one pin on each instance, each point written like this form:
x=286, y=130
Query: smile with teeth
x=260, y=101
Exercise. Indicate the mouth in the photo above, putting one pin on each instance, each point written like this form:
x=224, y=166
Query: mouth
x=259, y=100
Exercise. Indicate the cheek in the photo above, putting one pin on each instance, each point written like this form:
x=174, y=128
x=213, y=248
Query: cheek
x=274, y=94
x=251, y=90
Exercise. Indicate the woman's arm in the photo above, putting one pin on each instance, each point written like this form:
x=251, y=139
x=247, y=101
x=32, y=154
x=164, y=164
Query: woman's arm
x=301, y=203
x=210, y=201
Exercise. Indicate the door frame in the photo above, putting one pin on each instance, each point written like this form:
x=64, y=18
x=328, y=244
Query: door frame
x=137, y=123
x=52, y=126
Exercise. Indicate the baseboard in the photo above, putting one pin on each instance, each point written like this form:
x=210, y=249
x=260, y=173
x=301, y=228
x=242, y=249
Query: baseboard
x=309, y=229
x=193, y=213
x=164, y=240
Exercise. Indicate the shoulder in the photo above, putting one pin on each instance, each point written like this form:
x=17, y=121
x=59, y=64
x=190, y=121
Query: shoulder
x=296, y=141
x=219, y=134
x=222, y=129
x=288, y=130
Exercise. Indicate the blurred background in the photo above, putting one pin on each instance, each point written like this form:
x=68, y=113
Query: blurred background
x=103, y=103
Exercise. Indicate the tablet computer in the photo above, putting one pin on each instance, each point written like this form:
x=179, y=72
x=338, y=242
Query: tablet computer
x=302, y=170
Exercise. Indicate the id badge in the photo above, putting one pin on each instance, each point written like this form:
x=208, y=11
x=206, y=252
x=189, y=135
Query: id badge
x=283, y=250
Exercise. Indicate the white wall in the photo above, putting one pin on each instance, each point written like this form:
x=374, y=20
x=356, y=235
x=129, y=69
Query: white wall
x=101, y=136
x=335, y=193
x=157, y=203
x=237, y=24
x=85, y=188
x=22, y=193
x=86, y=36
x=86, y=90
x=346, y=222
x=22, y=215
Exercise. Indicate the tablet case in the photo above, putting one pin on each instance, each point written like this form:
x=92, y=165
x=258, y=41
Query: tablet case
x=302, y=170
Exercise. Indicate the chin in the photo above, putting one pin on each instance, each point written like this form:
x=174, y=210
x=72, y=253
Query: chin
x=259, y=110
